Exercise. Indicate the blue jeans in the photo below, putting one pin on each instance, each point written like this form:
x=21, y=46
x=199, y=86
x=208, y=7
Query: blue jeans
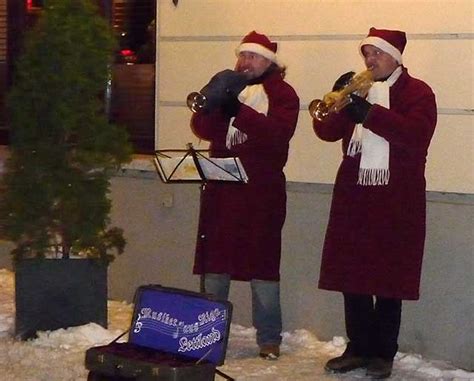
x=266, y=309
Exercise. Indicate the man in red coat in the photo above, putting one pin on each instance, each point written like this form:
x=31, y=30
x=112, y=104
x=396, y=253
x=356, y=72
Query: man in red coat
x=375, y=236
x=240, y=225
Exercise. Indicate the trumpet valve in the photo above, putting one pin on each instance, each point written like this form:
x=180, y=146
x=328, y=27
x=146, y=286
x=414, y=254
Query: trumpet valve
x=340, y=103
x=331, y=97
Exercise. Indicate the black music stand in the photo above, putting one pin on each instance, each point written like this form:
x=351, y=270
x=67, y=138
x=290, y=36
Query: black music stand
x=192, y=165
x=195, y=166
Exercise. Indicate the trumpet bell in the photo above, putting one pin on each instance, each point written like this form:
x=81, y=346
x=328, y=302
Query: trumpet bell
x=196, y=101
x=318, y=109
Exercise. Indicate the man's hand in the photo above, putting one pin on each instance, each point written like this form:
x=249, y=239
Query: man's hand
x=358, y=108
x=225, y=84
x=231, y=107
x=343, y=81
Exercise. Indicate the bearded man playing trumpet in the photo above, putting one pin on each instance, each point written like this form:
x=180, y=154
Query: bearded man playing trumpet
x=240, y=225
x=375, y=237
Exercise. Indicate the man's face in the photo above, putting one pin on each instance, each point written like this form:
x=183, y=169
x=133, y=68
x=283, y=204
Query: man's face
x=382, y=64
x=253, y=64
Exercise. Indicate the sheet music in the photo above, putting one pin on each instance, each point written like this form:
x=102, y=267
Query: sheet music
x=227, y=169
x=184, y=168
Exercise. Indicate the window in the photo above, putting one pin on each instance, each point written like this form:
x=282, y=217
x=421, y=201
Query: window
x=132, y=92
x=132, y=100
x=12, y=24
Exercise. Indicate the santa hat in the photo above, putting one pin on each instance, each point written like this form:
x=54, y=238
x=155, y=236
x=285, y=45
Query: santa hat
x=259, y=43
x=390, y=41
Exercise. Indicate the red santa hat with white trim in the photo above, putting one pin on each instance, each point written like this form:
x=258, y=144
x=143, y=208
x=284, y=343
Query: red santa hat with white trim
x=390, y=41
x=259, y=43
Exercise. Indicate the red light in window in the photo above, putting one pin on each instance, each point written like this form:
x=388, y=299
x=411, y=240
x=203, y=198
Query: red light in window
x=126, y=52
x=29, y=4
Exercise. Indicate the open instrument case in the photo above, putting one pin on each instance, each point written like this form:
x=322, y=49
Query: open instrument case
x=175, y=335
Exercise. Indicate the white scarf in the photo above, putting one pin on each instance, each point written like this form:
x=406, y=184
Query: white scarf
x=255, y=97
x=375, y=150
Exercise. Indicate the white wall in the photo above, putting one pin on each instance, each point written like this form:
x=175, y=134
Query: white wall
x=318, y=40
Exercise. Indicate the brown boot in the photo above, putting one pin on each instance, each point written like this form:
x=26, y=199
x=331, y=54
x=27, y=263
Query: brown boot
x=379, y=368
x=345, y=363
x=270, y=351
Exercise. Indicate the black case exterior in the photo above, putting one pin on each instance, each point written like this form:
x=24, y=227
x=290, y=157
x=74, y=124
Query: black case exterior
x=103, y=362
x=130, y=361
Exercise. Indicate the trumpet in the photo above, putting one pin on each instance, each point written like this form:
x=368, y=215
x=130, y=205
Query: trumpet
x=359, y=84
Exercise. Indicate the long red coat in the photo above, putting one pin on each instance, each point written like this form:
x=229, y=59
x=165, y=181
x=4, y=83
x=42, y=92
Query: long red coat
x=240, y=224
x=375, y=237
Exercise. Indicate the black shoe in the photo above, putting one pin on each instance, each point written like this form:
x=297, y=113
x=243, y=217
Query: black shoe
x=346, y=363
x=379, y=368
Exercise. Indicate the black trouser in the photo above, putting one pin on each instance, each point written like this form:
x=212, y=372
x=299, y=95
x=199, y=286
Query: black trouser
x=372, y=328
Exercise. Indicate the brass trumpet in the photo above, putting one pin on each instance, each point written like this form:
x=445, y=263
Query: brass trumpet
x=359, y=84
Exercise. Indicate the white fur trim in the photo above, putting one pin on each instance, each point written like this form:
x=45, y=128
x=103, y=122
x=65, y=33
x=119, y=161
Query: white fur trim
x=383, y=45
x=257, y=48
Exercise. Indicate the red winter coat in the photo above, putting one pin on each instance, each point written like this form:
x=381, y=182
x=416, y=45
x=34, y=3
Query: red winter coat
x=375, y=236
x=240, y=224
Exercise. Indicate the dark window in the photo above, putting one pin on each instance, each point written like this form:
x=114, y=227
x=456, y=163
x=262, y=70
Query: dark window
x=132, y=91
x=13, y=21
x=132, y=100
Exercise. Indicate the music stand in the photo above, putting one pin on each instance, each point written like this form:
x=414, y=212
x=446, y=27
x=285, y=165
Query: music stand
x=190, y=165
x=195, y=166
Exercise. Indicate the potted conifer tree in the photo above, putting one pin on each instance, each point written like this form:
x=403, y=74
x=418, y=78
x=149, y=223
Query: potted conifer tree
x=54, y=204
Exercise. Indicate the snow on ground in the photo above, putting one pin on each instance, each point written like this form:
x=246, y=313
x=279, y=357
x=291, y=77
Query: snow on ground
x=59, y=355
